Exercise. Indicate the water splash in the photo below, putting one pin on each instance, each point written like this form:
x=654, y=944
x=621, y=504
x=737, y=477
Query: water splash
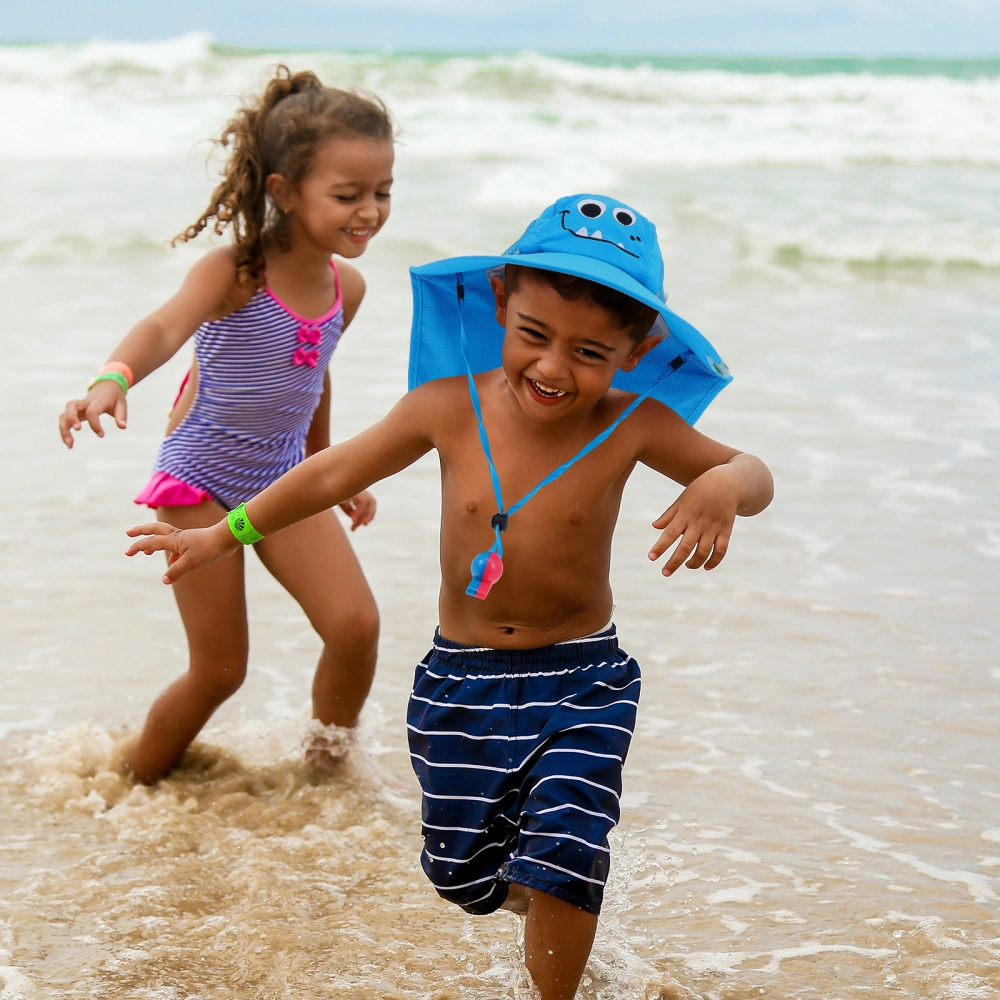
x=246, y=872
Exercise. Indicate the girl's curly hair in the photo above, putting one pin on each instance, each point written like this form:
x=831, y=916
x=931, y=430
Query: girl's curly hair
x=278, y=134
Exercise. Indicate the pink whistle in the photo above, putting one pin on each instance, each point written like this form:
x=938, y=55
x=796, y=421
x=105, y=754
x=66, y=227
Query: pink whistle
x=487, y=568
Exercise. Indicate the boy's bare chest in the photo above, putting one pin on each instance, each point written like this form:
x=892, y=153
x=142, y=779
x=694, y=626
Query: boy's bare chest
x=581, y=501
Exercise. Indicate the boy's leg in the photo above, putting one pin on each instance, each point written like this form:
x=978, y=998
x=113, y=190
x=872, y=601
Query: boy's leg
x=570, y=804
x=314, y=562
x=213, y=609
x=460, y=757
x=558, y=937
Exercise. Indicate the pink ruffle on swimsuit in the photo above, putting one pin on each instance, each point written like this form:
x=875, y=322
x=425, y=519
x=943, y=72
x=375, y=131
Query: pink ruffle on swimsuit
x=165, y=490
x=260, y=379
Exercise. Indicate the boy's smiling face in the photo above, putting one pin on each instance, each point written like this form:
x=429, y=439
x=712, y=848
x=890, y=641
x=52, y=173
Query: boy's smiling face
x=560, y=355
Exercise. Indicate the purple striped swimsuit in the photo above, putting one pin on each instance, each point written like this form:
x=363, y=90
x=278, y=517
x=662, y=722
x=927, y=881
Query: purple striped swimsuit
x=260, y=378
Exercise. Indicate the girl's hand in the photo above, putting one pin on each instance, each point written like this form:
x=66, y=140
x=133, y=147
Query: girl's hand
x=105, y=397
x=187, y=548
x=702, y=518
x=360, y=509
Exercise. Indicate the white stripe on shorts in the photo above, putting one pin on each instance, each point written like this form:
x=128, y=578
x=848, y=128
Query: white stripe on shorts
x=463, y=861
x=567, y=871
x=533, y=673
x=586, y=753
x=571, y=805
x=527, y=704
x=471, y=829
x=612, y=687
x=465, y=885
x=464, y=767
x=563, y=836
x=470, y=798
x=469, y=736
x=572, y=777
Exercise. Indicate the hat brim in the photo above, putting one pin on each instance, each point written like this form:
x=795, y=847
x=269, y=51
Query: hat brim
x=565, y=263
x=434, y=351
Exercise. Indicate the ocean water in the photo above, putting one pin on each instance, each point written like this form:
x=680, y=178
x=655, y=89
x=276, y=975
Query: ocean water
x=812, y=807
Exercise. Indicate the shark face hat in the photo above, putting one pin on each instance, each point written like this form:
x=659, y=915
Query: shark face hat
x=455, y=331
x=619, y=236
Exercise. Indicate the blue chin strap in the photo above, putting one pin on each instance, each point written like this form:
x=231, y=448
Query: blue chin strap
x=487, y=567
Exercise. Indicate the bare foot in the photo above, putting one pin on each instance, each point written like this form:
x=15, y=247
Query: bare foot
x=517, y=899
x=326, y=747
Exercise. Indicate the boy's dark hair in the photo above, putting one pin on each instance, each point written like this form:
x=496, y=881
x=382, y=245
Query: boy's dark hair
x=633, y=316
x=278, y=133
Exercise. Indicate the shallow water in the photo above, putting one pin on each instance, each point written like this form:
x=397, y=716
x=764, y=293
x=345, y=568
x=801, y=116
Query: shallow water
x=811, y=805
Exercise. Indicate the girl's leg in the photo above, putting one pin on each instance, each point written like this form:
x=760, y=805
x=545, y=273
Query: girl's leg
x=314, y=562
x=212, y=604
x=558, y=937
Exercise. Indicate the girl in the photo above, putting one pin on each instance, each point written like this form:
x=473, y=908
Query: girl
x=308, y=176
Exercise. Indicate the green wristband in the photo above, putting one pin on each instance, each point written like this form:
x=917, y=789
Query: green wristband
x=240, y=526
x=110, y=377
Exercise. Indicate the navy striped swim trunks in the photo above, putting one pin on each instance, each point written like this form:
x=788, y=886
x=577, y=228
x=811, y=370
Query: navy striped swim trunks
x=519, y=754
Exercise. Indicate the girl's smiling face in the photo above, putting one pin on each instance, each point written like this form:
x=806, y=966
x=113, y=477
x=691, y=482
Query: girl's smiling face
x=560, y=355
x=343, y=200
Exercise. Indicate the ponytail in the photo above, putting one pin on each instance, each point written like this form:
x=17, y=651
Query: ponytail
x=278, y=133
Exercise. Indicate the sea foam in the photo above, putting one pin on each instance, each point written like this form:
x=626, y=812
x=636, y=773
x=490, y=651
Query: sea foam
x=872, y=171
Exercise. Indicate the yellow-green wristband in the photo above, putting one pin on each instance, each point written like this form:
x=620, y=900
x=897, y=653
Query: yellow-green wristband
x=110, y=377
x=240, y=526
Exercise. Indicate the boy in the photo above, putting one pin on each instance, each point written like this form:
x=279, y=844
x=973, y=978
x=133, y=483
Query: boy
x=522, y=713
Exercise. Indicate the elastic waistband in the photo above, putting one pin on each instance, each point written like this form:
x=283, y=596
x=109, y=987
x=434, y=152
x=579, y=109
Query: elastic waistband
x=594, y=648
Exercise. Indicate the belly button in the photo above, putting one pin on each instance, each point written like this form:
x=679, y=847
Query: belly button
x=472, y=506
x=575, y=518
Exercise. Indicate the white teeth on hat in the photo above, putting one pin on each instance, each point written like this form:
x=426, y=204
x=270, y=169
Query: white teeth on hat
x=582, y=231
x=622, y=245
x=596, y=235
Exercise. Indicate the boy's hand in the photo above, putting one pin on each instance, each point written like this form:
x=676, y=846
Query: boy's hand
x=187, y=549
x=360, y=509
x=702, y=518
x=105, y=397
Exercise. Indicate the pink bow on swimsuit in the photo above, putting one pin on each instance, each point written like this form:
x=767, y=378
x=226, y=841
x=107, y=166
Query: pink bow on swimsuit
x=304, y=357
x=307, y=335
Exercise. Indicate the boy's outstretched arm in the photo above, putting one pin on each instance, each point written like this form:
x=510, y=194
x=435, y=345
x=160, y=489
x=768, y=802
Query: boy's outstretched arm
x=334, y=475
x=720, y=482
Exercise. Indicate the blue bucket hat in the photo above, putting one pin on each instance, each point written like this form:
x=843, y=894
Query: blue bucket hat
x=455, y=331
x=590, y=236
